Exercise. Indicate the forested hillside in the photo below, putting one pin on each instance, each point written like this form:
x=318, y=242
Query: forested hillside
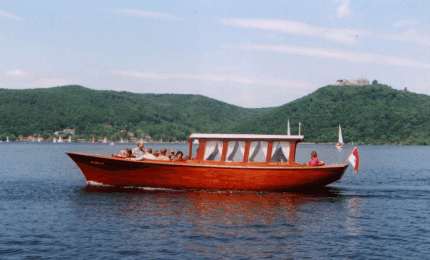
x=368, y=114
x=113, y=114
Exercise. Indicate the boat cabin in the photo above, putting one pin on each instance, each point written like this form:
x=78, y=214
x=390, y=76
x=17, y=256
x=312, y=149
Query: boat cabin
x=245, y=148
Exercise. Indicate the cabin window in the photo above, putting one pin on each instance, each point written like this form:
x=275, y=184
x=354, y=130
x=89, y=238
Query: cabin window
x=280, y=151
x=235, y=151
x=258, y=151
x=213, y=150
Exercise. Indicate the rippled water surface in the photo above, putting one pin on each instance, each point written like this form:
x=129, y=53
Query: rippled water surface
x=46, y=211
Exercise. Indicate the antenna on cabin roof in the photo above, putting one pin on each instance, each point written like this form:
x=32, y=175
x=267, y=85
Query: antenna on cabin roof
x=288, y=128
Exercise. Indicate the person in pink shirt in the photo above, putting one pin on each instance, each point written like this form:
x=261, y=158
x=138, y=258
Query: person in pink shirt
x=314, y=161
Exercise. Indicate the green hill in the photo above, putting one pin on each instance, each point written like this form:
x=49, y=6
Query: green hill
x=368, y=114
x=112, y=114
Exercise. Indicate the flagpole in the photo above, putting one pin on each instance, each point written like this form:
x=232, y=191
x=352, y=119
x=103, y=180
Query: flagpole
x=300, y=128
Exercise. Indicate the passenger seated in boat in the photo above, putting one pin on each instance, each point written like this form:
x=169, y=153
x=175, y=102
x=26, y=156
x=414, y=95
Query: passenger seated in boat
x=314, y=161
x=147, y=155
x=172, y=155
x=179, y=156
x=163, y=155
x=127, y=153
x=139, y=150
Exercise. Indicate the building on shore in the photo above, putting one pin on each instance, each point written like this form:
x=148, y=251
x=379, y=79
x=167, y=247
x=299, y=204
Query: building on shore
x=66, y=132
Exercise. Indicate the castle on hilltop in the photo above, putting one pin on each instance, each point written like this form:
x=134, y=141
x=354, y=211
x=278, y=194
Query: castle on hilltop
x=353, y=82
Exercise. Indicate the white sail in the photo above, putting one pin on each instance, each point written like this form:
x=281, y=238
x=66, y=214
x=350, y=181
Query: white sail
x=54, y=140
x=70, y=139
x=60, y=139
x=300, y=128
x=288, y=128
x=105, y=140
x=340, y=141
x=7, y=139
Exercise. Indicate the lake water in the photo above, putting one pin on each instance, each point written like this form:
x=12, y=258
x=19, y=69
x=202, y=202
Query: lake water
x=46, y=212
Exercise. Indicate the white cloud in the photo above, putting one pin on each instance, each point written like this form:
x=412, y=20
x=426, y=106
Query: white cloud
x=224, y=78
x=16, y=73
x=408, y=31
x=297, y=28
x=9, y=15
x=146, y=14
x=356, y=57
x=343, y=9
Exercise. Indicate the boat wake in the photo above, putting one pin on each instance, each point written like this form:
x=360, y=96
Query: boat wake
x=98, y=184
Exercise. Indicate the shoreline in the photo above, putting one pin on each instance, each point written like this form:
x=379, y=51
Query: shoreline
x=185, y=142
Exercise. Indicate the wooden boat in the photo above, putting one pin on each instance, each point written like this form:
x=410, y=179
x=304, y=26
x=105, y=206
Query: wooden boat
x=221, y=162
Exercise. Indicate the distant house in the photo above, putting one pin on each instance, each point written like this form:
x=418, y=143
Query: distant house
x=69, y=131
x=352, y=82
x=65, y=132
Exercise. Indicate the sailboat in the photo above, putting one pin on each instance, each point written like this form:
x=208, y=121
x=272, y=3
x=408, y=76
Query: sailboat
x=70, y=139
x=7, y=139
x=105, y=140
x=340, y=143
x=60, y=139
x=54, y=140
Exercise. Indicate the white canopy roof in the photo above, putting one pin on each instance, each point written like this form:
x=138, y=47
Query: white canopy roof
x=246, y=137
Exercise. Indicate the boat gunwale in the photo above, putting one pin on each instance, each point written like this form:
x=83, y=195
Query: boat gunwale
x=217, y=164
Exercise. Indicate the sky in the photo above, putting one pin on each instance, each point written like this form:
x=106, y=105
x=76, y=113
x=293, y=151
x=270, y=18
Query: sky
x=245, y=52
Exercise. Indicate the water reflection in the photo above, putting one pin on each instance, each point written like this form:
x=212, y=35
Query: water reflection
x=211, y=208
x=218, y=223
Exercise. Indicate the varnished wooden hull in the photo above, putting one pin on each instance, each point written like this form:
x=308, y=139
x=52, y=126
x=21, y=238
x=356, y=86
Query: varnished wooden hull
x=204, y=176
